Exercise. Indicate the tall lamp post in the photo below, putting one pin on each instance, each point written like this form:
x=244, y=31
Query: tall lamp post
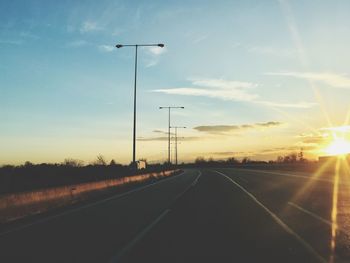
x=169, y=108
x=135, y=80
x=176, y=127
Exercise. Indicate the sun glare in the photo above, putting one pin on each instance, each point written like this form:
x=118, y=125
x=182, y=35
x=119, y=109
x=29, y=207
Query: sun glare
x=339, y=146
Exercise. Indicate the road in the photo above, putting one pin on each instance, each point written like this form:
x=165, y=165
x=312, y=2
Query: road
x=207, y=215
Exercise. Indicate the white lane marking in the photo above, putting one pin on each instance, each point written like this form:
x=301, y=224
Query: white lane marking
x=89, y=205
x=287, y=175
x=306, y=245
x=196, y=180
x=187, y=188
x=315, y=216
x=139, y=236
x=127, y=248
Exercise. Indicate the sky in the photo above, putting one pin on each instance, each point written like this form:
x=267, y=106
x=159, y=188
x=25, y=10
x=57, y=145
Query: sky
x=257, y=79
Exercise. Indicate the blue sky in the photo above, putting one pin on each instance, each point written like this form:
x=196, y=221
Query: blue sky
x=65, y=91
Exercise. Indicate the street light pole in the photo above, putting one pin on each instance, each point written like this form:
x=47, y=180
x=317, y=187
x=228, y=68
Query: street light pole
x=169, y=108
x=176, y=127
x=176, y=146
x=134, y=124
x=169, y=157
x=135, y=82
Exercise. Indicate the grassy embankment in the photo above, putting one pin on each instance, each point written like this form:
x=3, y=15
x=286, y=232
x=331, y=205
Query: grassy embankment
x=14, y=205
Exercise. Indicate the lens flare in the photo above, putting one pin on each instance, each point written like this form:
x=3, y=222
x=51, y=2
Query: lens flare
x=334, y=212
x=339, y=146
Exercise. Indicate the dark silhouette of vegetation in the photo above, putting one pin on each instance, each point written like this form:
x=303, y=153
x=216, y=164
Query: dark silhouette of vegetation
x=31, y=176
x=289, y=161
x=229, y=161
x=73, y=162
x=210, y=162
x=100, y=160
x=112, y=163
x=292, y=158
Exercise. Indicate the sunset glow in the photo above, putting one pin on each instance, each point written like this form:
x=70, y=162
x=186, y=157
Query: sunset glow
x=270, y=94
x=144, y=122
x=339, y=146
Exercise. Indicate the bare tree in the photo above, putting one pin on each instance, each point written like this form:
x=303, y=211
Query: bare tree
x=245, y=160
x=73, y=162
x=301, y=155
x=27, y=164
x=100, y=160
x=280, y=159
x=293, y=157
x=112, y=163
x=200, y=160
x=232, y=160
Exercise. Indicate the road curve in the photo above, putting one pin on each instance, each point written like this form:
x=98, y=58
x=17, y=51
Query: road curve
x=208, y=215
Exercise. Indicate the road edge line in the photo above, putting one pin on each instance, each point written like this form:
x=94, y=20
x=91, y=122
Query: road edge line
x=286, y=175
x=315, y=216
x=279, y=221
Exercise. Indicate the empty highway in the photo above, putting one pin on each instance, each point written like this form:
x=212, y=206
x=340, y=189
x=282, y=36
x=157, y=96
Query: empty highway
x=201, y=215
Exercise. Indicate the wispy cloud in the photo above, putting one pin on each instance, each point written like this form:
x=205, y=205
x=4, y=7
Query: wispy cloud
x=159, y=131
x=344, y=128
x=11, y=42
x=298, y=105
x=285, y=150
x=200, y=39
x=157, y=50
x=270, y=152
x=268, y=50
x=154, y=55
x=90, y=26
x=77, y=43
x=118, y=31
x=216, y=88
x=29, y=35
x=151, y=63
x=331, y=79
x=106, y=48
x=324, y=135
x=234, y=94
x=263, y=154
x=83, y=43
x=163, y=132
x=272, y=51
x=229, y=129
x=165, y=138
x=294, y=32
x=315, y=139
x=223, y=84
x=228, y=153
x=228, y=90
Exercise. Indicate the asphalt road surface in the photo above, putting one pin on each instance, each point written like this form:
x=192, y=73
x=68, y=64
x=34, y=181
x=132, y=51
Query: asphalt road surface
x=207, y=215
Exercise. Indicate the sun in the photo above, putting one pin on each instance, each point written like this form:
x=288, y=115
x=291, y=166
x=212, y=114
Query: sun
x=339, y=146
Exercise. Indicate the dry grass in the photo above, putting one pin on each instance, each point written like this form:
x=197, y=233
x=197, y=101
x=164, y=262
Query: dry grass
x=13, y=206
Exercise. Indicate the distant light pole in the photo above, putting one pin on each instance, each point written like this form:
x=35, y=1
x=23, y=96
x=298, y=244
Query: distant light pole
x=134, y=127
x=176, y=127
x=169, y=108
